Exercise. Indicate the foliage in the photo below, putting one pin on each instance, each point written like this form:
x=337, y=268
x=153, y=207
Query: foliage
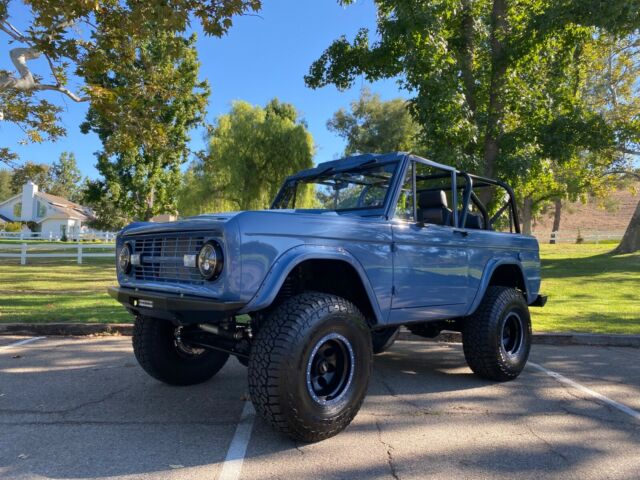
x=6, y=190
x=498, y=85
x=374, y=126
x=12, y=227
x=251, y=151
x=67, y=35
x=154, y=98
x=66, y=179
x=38, y=173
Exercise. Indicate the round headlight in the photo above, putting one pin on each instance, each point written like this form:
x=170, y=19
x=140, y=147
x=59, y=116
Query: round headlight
x=124, y=258
x=210, y=260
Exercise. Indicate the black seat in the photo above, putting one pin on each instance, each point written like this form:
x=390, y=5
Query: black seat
x=474, y=220
x=433, y=208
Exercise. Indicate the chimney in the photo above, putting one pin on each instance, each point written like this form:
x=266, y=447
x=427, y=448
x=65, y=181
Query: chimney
x=29, y=191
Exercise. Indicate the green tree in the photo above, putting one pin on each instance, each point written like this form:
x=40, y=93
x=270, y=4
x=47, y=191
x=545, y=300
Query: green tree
x=38, y=173
x=5, y=185
x=614, y=90
x=66, y=179
x=492, y=79
x=66, y=35
x=373, y=125
x=251, y=151
x=153, y=99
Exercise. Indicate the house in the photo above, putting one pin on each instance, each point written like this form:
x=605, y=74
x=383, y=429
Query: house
x=51, y=215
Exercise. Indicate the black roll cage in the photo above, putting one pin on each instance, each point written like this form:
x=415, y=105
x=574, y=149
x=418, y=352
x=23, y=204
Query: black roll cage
x=468, y=195
x=406, y=161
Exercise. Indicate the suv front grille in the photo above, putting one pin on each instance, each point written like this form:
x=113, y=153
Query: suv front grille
x=162, y=258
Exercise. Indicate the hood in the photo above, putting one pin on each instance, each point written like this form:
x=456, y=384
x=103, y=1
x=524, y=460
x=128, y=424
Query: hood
x=213, y=221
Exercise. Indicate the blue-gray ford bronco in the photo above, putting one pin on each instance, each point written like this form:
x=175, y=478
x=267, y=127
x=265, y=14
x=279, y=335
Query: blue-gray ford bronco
x=304, y=293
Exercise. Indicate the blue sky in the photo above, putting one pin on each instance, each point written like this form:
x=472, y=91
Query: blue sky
x=261, y=58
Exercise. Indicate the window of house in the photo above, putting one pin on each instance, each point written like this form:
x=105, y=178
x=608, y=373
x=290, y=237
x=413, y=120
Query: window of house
x=17, y=210
x=42, y=209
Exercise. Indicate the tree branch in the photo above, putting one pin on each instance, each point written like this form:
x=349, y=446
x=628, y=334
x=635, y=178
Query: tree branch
x=64, y=90
x=624, y=172
x=12, y=31
x=21, y=55
x=628, y=151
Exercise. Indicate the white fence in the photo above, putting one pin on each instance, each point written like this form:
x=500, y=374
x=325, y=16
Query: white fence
x=24, y=251
x=93, y=236
x=588, y=236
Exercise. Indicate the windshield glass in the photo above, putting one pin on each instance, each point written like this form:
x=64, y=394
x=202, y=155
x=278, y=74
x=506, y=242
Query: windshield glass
x=365, y=187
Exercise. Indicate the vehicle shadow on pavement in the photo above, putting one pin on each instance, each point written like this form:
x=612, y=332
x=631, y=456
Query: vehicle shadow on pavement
x=72, y=409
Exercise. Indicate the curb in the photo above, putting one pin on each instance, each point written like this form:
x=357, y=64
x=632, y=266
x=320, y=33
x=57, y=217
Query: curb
x=82, y=329
x=588, y=339
x=66, y=329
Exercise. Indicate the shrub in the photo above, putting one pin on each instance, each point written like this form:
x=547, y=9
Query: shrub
x=12, y=227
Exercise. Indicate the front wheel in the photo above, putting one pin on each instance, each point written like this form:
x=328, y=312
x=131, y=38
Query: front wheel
x=497, y=338
x=163, y=355
x=309, y=366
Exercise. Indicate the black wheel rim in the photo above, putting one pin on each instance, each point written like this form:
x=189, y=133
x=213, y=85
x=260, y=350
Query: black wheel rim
x=512, y=334
x=330, y=369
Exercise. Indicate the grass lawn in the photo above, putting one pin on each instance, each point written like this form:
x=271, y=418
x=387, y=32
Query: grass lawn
x=54, y=290
x=589, y=291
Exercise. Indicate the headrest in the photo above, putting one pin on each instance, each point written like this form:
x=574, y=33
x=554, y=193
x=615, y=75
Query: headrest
x=432, y=199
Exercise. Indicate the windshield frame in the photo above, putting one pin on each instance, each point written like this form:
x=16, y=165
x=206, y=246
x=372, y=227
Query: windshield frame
x=375, y=211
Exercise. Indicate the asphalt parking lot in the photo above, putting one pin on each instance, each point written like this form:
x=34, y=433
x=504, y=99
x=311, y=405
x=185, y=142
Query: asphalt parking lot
x=82, y=408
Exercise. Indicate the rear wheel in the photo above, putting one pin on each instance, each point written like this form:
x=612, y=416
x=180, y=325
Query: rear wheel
x=162, y=354
x=309, y=366
x=497, y=337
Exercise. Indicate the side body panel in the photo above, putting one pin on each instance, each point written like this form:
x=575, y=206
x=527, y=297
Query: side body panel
x=273, y=243
x=430, y=272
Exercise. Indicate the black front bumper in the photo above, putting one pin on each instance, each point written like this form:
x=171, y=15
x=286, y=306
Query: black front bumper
x=180, y=309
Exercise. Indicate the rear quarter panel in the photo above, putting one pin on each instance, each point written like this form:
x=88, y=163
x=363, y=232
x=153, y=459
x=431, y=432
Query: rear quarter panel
x=487, y=250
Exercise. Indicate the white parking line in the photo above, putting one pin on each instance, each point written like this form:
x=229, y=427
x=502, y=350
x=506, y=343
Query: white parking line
x=238, y=447
x=21, y=342
x=567, y=381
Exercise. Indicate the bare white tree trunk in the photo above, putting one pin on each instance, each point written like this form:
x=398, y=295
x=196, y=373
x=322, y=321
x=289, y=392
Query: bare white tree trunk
x=25, y=81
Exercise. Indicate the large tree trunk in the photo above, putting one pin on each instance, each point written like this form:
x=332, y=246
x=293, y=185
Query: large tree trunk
x=557, y=215
x=631, y=241
x=496, y=105
x=527, y=215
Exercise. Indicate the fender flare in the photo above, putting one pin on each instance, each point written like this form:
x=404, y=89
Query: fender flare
x=293, y=257
x=488, y=272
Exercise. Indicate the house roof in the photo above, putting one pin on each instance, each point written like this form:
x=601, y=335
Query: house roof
x=5, y=219
x=58, y=200
x=2, y=202
x=65, y=207
x=62, y=208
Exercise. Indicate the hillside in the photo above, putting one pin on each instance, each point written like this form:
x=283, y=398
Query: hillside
x=608, y=215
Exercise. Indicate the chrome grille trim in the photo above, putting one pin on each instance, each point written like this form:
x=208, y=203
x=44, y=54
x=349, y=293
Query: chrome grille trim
x=162, y=258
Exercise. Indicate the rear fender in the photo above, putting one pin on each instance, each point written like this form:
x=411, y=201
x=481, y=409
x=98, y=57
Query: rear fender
x=488, y=272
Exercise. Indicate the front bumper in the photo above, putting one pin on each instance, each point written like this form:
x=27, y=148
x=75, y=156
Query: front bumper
x=180, y=309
